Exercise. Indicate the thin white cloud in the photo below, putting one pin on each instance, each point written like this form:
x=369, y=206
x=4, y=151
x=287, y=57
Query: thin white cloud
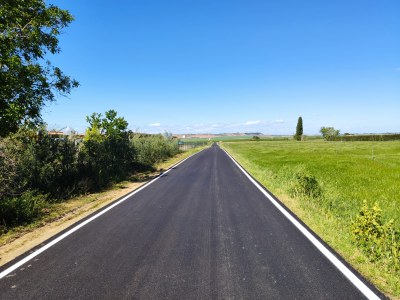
x=274, y=126
x=232, y=125
x=252, y=123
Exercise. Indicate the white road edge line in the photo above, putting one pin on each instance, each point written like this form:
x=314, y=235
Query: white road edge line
x=363, y=288
x=72, y=230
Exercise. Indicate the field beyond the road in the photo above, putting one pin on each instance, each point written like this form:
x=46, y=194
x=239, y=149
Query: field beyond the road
x=337, y=177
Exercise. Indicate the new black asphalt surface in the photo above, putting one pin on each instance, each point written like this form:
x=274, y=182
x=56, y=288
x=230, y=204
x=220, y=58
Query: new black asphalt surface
x=202, y=231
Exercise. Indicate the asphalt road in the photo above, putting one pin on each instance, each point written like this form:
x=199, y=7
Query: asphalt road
x=202, y=231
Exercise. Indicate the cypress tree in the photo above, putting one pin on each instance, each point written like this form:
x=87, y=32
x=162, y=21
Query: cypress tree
x=299, y=129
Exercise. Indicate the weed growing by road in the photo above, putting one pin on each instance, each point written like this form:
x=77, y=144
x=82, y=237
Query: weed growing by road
x=304, y=184
x=379, y=239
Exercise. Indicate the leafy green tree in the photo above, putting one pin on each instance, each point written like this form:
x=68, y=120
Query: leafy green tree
x=29, y=30
x=109, y=154
x=299, y=129
x=111, y=126
x=329, y=133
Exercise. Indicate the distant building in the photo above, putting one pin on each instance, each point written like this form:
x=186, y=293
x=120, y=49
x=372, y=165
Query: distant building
x=68, y=131
x=64, y=132
x=56, y=134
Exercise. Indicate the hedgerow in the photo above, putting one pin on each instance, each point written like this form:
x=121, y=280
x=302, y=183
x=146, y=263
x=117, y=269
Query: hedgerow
x=368, y=137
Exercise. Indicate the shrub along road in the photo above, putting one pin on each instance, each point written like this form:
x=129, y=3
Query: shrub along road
x=201, y=231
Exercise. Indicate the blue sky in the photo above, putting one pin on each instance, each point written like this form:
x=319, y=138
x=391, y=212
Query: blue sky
x=210, y=66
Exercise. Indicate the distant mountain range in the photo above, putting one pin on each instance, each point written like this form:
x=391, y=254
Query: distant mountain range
x=211, y=135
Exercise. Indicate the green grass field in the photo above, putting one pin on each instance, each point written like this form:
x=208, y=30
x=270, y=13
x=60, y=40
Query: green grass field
x=346, y=174
x=238, y=138
x=216, y=139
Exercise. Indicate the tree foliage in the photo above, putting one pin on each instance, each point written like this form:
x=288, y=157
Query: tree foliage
x=299, y=129
x=29, y=30
x=329, y=133
x=110, y=125
x=107, y=147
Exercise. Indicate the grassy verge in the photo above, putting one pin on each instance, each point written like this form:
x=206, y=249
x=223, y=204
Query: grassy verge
x=338, y=177
x=61, y=215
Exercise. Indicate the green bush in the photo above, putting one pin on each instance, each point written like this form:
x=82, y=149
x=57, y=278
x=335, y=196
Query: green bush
x=21, y=209
x=305, y=185
x=151, y=149
x=107, y=155
x=11, y=152
x=379, y=240
x=106, y=161
x=36, y=161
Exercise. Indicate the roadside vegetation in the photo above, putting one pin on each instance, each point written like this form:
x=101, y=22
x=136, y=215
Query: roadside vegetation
x=37, y=169
x=348, y=193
